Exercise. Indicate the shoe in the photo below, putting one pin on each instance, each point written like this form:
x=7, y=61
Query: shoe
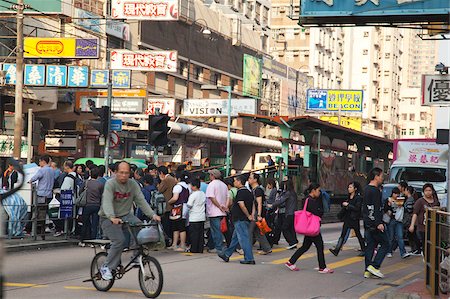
x=247, y=262
x=264, y=252
x=291, y=267
x=58, y=234
x=367, y=274
x=292, y=246
x=180, y=249
x=416, y=252
x=240, y=251
x=135, y=261
x=225, y=258
x=106, y=273
x=389, y=255
x=361, y=253
x=374, y=271
x=405, y=255
x=326, y=271
x=81, y=244
x=333, y=251
x=212, y=250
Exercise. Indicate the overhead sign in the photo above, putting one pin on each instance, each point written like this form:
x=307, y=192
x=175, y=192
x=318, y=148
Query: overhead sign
x=354, y=123
x=34, y=75
x=334, y=100
x=252, y=76
x=218, y=107
x=118, y=29
x=124, y=105
x=148, y=10
x=165, y=106
x=373, y=11
x=436, y=90
x=61, y=47
x=56, y=75
x=88, y=20
x=78, y=76
x=120, y=79
x=150, y=61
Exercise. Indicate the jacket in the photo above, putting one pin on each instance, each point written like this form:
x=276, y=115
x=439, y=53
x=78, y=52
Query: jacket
x=353, y=210
x=166, y=188
x=372, y=208
x=289, y=199
x=315, y=206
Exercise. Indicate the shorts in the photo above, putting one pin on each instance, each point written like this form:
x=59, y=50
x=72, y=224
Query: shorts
x=178, y=225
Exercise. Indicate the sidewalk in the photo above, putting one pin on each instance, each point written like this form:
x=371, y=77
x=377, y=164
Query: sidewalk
x=28, y=243
x=414, y=289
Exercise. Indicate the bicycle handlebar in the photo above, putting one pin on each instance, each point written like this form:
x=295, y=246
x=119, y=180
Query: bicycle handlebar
x=140, y=224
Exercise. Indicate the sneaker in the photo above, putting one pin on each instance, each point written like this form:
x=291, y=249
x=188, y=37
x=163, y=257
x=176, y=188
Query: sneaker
x=180, y=249
x=334, y=251
x=389, y=255
x=135, y=262
x=405, y=255
x=416, y=252
x=81, y=244
x=243, y=262
x=240, y=251
x=58, y=234
x=291, y=267
x=326, y=271
x=291, y=246
x=106, y=273
x=225, y=258
x=374, y=271
x=367, y=274
x=264, y=252
x=212, y=250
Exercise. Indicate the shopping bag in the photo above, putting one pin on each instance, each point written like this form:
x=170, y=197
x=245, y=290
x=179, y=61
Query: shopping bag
x=263, y=227
x=306, y=223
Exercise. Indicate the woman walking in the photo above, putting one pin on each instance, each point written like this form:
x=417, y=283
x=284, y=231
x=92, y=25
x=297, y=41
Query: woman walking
x=411, y=197
x=351, y=209
x=315, y=206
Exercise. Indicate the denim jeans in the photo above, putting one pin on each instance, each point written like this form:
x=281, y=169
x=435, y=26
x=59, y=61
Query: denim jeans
x=240, y=236
x=216, y=234
x=373, y=238
x=396, y=236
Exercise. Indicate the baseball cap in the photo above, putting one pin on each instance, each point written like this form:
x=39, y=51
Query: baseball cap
x=216, y=173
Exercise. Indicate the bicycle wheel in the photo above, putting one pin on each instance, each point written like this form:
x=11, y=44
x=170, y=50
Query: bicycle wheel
x=99, y=283
x=151, y=281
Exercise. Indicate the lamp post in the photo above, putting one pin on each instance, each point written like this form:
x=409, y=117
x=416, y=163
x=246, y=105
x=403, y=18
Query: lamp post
x=206, y=33
x=228, y=89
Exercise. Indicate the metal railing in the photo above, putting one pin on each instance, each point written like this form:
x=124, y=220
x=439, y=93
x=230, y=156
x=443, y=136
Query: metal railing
x=437, y=251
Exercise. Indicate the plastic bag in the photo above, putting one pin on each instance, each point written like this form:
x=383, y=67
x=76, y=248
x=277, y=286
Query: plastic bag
x=161, y=244
x=263, y=227
x=223, y=225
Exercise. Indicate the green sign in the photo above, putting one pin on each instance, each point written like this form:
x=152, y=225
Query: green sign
x=36, y=6
x=7, y=146
x=252, y=76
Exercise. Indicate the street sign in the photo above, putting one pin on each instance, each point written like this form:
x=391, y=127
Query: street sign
x=66, y=204
x=116, y=125
x=114, y=140
x=436, y=90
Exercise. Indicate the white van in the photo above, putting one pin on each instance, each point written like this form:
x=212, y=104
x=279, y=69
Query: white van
x=261, y=159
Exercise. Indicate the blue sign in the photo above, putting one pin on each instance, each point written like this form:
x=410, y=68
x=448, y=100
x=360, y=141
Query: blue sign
x=56, y=75
x=78, y=76
x=99, y=78
x=316, y=99
x=34, y=75
x=121, y=79
x=116, y=125
x=10, y=76
x=334, y=100
x=66, y=204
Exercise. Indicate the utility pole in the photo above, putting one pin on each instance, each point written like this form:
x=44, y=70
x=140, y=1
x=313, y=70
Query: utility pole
x=110, y=92
x=18, y=122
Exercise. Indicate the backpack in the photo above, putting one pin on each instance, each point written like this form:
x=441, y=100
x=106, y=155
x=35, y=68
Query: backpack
x=326, y=200
x=78, y=183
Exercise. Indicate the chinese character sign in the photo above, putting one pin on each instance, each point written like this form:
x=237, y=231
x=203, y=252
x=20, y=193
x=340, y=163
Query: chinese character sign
x=56, y=75
x=56, y=47
x=10, y=69
x=334, y=100
x=99, y=78
x=151, y=61
x=435, y=90
x=121, y=79
x=78, y=76
x=34, y=75
x=149, y=10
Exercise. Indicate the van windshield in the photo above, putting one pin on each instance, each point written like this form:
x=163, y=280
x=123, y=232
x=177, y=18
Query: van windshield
x=410, y=174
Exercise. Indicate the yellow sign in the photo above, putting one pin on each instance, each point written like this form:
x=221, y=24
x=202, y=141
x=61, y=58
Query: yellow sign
x=65, y=47
x=349, y=100
x=353, y=123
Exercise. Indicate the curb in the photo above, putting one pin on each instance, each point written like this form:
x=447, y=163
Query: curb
x=40, y=245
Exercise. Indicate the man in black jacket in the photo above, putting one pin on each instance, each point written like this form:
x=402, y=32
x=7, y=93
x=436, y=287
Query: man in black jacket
x=373, y=224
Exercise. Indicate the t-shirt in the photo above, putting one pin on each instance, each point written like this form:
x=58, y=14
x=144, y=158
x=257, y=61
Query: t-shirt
x=183, y=191
x=243, y=195
x=203, y=187
x=196, y=204
x=419, y=210
x=218, y=190
x=259, y=192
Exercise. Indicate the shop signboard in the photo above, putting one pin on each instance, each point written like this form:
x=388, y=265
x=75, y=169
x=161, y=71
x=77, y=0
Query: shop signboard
x=10, y=76
x=436, y=90
x=165, y=106
x=252, y=76
x=88, y=20
x=123, y=105
x=78, y=76
x=38, y=7
x=34, y=75
x=218, y=107
x=148, y=10
x=118, y=29
x=61, y=47
x=7, y=146
x=354, y=123
x=334, y=100
x=56, y=75
x=144, y=60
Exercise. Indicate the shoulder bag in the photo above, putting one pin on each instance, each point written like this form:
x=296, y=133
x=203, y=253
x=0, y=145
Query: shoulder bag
x=306, y=223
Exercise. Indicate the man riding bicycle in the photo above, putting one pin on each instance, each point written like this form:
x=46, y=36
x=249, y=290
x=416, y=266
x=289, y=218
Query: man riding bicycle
x=117, y=202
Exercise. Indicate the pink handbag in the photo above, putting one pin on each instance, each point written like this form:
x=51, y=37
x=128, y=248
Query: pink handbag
x=306, y=223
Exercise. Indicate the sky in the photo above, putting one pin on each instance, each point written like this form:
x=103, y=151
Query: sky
x=444, y=51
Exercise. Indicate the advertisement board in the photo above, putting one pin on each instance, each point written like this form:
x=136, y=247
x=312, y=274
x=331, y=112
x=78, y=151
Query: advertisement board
x=88, y=20
x=118, y=29
x=60, y=47
x=143, y=60
x=123, y=105
x=252, y=76
x=161, y=10
x=436, y=90
x=334, y=100
x=353, y=123
x=38, y=6
x=165, y=106
x=218, y=107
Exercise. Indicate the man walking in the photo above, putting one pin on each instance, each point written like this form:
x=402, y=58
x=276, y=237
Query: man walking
x=241, y=217
x=44, y=191
x=375, y=232
x=166, y=188
x=216, y=201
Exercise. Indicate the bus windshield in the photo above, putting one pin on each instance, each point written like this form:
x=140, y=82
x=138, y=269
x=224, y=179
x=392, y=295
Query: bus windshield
x=421, y=174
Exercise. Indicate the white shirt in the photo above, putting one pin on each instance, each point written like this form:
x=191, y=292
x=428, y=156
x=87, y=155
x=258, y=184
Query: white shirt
x=68, y=183
x=196, y=204
x=178, y=188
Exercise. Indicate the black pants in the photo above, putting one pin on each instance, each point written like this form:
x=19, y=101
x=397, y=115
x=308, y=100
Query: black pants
x=167, y=227
x=421, y=237
x=196, y=230
x=413, y=240
x=355, y=226
x=307, y=242
x=90, y=220
x=288, y=230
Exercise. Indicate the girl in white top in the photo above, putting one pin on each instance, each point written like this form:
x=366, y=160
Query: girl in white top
x=197, y=216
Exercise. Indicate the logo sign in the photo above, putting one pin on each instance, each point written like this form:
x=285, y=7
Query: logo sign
x=436, y=90
x=118, y=29
x=151, y=61
x=148, y=10
x=334, y=100
x=218, y=107
x=252, y=76
x=55, y=47
x=124, y=105
x=165, y=106
x=116, y=125
x=66, y=204
x=78, y=76
x=56, y=75
x=34, y=75
x=10, y=76
x=353, y=123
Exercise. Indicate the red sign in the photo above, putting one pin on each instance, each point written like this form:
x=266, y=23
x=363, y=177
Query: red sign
x=114, y=140
x=149, y=10
x=151, y=61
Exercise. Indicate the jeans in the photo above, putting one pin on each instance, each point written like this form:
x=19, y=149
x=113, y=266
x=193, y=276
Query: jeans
x=346, y=228
x=396, y=236
x=118, y=234
x=373, y=238
x=90, y=220
x=216, y=234
x=241, y=237
x=307, y=242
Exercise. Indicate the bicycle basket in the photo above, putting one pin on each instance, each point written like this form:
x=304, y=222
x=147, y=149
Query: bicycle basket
x=148, y=235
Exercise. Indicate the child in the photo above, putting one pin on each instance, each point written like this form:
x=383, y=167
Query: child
x=197, y=216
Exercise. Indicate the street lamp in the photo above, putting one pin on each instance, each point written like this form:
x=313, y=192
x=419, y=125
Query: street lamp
x=227, y=89
x=206, y=34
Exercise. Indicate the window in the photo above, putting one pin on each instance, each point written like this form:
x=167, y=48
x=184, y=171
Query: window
x=365, y=52
x=411, y=132
x=403, y=132
x=386, y=90
x=198, y=73
x=386, y=73
x=387, y=55
x=422, y=130
x=366, y=33
x=364, y=69
x=183, y=68
x=385, y=108
x=423, y=115
x=404, y=116
x=412, y=117
x=412, y=101
x=388, y=37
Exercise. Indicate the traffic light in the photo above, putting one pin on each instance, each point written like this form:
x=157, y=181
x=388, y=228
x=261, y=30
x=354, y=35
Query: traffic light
x=158, y=130
x=102, y=125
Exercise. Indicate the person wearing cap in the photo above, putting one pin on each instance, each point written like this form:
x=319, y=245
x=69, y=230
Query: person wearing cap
x=216, y=207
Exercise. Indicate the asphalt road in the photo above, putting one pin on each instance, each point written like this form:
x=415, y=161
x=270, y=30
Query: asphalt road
x=59, y=272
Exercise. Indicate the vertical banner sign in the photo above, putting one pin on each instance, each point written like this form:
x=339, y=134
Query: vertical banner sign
x=121, y=79
x=252, y=76
x=34, y=75
x=56, y=75
x=66, y=204
x=10, y=76
x=78, y=76
x=99, y=78
x=148, y=10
